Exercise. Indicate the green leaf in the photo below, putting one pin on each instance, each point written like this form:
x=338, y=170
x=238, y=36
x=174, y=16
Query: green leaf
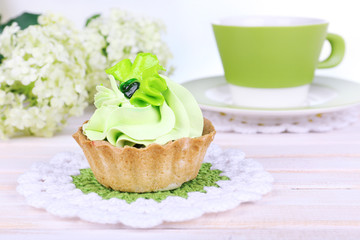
x=24, y=20
x=91, y=18
x=104, y=49
x=1, y=58
x=20, y=89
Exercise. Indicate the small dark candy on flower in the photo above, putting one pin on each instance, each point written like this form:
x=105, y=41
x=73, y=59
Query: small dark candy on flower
x=129, y=87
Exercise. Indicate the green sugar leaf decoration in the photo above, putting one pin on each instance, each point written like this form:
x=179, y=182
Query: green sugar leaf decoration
x=207, y=177
x=24, y=20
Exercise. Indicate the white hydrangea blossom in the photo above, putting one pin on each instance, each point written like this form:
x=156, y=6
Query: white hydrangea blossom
x=121, y=35
x=41, y=77
x=50, y=71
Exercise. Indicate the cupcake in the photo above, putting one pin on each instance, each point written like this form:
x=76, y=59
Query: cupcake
x=147, y=133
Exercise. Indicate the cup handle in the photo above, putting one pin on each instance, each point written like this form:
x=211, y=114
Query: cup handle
x=337, y=51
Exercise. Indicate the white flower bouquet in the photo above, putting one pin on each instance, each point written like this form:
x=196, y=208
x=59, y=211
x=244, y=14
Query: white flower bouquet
x=41, y=77
x=49, y=70
x=121, y=35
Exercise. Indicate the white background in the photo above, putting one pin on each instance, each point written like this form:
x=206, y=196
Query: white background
x=190, y=35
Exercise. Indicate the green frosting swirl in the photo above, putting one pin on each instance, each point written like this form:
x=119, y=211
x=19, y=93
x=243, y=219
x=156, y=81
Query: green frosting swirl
x=121, y=123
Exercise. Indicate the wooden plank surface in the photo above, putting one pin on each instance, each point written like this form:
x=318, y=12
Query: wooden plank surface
x=316, y=191
x=199, y=234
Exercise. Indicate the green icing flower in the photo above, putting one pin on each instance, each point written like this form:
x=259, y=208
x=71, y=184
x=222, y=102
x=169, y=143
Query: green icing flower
x=172, y=115
x=140, y=81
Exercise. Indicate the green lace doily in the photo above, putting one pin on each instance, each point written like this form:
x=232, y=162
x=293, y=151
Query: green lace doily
x=87, y=183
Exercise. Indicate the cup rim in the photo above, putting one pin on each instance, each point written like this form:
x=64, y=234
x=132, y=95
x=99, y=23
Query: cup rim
x=254, y=21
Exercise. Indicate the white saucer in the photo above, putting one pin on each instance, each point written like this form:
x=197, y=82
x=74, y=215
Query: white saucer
x=326, y=94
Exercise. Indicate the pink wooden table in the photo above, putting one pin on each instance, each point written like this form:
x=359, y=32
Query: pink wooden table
x=316, y=192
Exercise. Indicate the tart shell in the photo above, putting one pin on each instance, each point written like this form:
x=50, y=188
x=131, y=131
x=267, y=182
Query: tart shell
x=153, y=168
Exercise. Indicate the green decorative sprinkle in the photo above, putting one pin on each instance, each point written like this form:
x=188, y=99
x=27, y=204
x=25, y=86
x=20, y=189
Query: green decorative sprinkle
x=87, y=183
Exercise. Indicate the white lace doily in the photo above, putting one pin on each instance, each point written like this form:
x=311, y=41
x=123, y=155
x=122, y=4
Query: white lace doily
x=49, y=185
x=298, y=124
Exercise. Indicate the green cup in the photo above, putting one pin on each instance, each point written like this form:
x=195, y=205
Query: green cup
x=270, y=61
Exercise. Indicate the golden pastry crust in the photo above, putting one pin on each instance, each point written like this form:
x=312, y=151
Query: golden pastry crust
x=156, y=167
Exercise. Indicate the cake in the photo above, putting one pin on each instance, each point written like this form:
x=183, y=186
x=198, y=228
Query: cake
x=147, y=133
